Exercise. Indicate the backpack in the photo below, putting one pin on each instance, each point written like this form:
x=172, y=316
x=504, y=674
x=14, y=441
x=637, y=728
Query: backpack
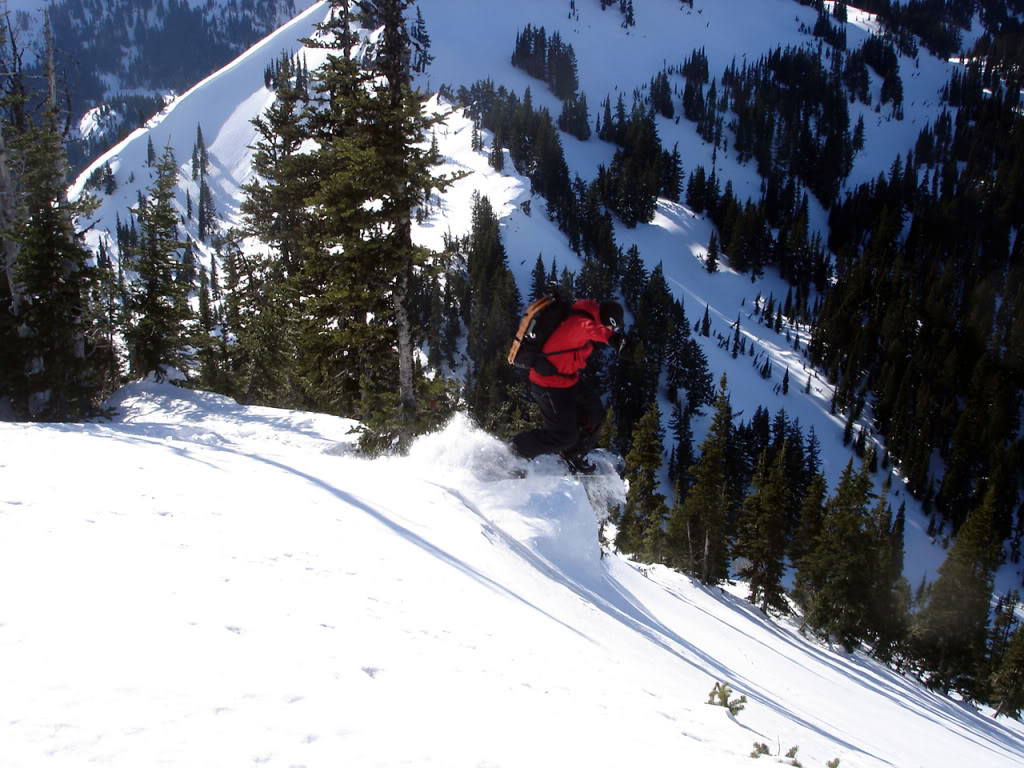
x=541, y=319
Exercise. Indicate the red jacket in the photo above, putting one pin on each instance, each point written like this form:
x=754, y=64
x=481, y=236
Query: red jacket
x=571, y=343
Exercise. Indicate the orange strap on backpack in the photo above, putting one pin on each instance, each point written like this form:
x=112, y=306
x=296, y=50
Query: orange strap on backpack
x=526, y=325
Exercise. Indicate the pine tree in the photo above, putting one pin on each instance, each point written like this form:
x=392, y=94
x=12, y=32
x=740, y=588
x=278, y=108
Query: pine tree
x=354, y=167
x=207, y=210
x=831, y=582
x=889, y=611
x=811, y=515
x=711, y=262
x=421, y=43
x=155, y=304
x=274, y=209
x=644, y=511
x=538, y=284
x=951, y=629
x=698, y=528
x=761, y=541
x=1007, y=694
x=54, y=275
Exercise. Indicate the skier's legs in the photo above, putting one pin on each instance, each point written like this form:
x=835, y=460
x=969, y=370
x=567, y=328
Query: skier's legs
x=590, y=416
x=558, y=409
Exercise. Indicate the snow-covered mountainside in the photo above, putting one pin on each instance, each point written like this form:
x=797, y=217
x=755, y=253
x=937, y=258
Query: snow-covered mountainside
x=468, y=46
x=220, y=585
x=216, y=585
x=123, y=57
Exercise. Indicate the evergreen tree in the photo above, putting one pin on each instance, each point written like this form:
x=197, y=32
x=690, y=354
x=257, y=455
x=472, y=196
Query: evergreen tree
x=761, y=541
x=951, y=629
x=539, y=281
x=274, y=209
x=811, y=515
x=889, y=611
x=634, y=279
x=1007, y=694
x=698, y=528
x=1004, y=623
x=365, y=302
x=711, y=261
x=831, y=581
x=207, y=210
x=680, y=473
x=52, y=376
x=644, y=512
x=156, y=302
x=200, y=156
x=422, y=57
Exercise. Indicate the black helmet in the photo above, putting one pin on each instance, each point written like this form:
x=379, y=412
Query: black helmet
x=611, y=315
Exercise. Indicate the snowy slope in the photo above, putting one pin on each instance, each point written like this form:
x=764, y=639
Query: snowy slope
x=468, y=45
x=216, y=585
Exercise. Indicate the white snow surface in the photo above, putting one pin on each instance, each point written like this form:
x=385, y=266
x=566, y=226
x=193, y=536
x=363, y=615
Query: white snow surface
x=213, y=585
x=208, y=584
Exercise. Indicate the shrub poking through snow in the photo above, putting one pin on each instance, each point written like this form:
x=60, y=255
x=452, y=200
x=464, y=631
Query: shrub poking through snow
x=719, y=696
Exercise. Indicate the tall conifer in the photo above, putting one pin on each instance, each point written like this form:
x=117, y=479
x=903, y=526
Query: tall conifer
x=156, y=305
x=56, y=278
x=761, y=541
x=950, y=631
x=699, y=526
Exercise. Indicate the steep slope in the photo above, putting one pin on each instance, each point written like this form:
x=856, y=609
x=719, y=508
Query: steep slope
x=119, y=60
x=468, y=45
x=242, y=590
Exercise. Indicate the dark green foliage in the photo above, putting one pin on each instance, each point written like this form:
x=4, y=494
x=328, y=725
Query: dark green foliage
x=1008, y=681
x=888, y=613
x=761, y=538
x=575, y=117
x=156, y=302
x=538, y=281
x=832, y=585
x=925, y=263
x=811, y=516
x=641, y=525
x=631, y=185
x=550, y=60
x=260, y=315
x=711, y=261
x=700, y=524
x=495, y=392
x=51, y=369
x=834, y=35
x=421, y=44
x=329, y=315
x=950, y=631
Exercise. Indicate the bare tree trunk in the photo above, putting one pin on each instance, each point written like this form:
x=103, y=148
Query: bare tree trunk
x=704, y=565
x=689, y=544
x=394, y=62
x=10, y=249
x=406, y=385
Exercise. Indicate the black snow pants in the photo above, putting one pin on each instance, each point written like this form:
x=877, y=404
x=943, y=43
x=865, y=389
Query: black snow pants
x=572, y=419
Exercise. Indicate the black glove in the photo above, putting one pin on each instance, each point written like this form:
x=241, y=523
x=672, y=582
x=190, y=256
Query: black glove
x=617, y=341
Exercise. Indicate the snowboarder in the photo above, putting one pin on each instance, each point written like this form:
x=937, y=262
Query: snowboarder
x=571, y=409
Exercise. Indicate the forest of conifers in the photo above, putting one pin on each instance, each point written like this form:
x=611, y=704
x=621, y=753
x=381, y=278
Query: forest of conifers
x=914, y=301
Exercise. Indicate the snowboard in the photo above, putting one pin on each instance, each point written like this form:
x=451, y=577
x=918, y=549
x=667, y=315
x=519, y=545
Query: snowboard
x=606, y=465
